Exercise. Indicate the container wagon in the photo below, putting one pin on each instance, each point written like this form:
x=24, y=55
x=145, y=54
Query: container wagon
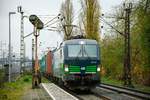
x=43, y=65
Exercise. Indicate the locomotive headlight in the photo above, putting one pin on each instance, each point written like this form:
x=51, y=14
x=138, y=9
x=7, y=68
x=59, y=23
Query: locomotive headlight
x=66, y=68
x=81, y=42
x=98, y=69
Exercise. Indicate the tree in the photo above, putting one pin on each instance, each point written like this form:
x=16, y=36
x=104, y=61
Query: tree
x=112, y=56
x=112, y=48
x=67, y=12
x=141, y=42
x=90, y=18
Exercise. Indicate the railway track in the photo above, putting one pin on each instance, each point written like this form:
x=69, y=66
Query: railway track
x=85, y=95
x=108, y=92
x=77, y=94
x=92, y=96
x=126, y=91
x=80, y=95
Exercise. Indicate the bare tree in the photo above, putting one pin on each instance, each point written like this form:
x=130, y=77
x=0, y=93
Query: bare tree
x=90, y=18
x=67, y=12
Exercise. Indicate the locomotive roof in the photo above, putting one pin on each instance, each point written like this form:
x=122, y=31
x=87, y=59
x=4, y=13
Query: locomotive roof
x=80, y=41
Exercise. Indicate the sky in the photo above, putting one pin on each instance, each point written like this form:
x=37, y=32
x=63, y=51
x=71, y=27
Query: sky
x=41, y=8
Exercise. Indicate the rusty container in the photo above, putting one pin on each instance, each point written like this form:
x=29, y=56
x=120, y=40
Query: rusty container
x=49, y=63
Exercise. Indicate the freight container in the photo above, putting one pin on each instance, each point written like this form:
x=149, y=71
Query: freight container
x=43, y=64
x=49, y=63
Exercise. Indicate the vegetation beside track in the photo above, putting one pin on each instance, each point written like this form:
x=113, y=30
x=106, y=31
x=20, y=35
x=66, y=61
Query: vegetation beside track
x=2, y=73
x=15, y=90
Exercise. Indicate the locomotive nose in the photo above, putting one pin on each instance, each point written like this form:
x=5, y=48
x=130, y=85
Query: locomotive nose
x=82, y=69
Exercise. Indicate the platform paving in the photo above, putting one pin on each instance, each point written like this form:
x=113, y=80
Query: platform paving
x=57, y=93
x=36, y=94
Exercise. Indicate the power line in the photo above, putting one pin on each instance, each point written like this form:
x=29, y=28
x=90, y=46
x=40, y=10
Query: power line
x=111, y=26
x=52, y=19
x=78, y=12
x=51, y=23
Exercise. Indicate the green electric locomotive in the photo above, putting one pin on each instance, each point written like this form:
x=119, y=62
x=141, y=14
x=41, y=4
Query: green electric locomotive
x=76, y=63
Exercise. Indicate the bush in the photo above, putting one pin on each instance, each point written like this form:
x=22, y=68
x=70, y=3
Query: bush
x=26, y=80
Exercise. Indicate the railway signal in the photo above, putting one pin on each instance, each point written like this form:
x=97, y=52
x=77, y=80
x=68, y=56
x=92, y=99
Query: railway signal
x=38, y=25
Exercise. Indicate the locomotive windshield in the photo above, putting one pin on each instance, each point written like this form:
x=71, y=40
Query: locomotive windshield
x=74, y=50
x=89, y=51
x=82, y=50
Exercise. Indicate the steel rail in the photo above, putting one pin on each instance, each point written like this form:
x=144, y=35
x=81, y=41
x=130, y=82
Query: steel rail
x=126, y=90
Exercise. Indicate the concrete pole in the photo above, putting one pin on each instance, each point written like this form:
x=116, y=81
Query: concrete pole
x=32, y=55
x=22, y=45
x=9, y=58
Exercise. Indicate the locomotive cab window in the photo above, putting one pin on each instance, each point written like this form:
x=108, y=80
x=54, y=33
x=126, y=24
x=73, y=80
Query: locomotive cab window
x=82, y=50
x=90, y=51
x=74, y=51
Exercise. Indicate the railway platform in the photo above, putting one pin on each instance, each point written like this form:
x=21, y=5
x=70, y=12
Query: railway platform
x=36, y=94
x=56, y=93
x=47, y=91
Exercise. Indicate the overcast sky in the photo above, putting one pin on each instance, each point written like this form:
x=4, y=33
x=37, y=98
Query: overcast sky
x=39, y=7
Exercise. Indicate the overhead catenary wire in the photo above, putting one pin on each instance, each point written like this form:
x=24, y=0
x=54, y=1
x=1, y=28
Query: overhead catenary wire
x=52, y=19
x=45, y=26
x=102, y=19
x=78, y=12
x=51, y=23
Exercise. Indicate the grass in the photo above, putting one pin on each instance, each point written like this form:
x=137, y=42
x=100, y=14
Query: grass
x=44, y=80
x=111, y=81
x=15, y=90
x=1, y=78
x=120, y=83
x=142, y=88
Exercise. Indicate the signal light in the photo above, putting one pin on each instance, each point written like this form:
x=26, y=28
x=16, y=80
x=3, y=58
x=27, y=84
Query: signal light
x=36, y=22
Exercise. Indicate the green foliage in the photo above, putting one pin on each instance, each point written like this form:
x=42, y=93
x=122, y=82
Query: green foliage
x=2, y=75
x=15, y=90
x=141, y=43
x=113, y=47
x=109, y=80
x=26, y=79
x=112, y=56
x=44, y=80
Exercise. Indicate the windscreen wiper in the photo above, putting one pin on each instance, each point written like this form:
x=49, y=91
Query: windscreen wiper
x=77, y=57
x=88, y=57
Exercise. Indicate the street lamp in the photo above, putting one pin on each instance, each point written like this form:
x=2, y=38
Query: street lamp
x=9, y=58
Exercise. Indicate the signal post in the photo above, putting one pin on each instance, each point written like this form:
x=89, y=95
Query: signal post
x=38, y=25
